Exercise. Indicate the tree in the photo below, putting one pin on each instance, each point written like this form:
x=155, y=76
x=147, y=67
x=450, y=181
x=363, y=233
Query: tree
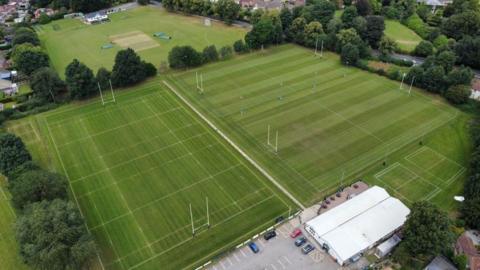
x=80, y=80
x=360, y=25
x=322, y=11
x=103, y=77
x=25, y=36
x=458, y=94
x=227, y=10
x=28, y=61
x=46, y=85
x=346, y=36
x=387, y=45
x=462, y=24
x=35, y=186
x=210, y=54
x=226, y=52
x=348, y=15
x=424, y=48
x=350, y=54
x=471, y=213
x=128, y=68
x=143, y=2
x=363, y=7
x=427, y=230
x=89, y=5
x=375, y=28
x=468, y=51
x=297, y=30
x=459, y=6
x=433, y=79
x=471, y=189
x=286, y=17
x=445, y=59
x=405, y=8
x=261, y=34
x=149, y=69
x=12, y=153
x=239, y=46
x=461, y=75
x=313, y=31
x=184, y=57
x=44, y=19
x=52, y=235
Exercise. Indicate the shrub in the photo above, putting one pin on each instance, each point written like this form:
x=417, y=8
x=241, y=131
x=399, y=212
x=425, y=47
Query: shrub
x=458, y=94
x=415, y=23
x=424, y=48
x=226, y=52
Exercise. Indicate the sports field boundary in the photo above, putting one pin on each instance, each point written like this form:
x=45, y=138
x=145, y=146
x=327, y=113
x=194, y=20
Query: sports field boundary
x=235, y=146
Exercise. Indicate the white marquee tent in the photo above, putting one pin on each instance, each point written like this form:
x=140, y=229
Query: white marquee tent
x=358, y=224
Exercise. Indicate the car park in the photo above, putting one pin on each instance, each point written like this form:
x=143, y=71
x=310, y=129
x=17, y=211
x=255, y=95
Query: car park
x=253, y=247
x=307, y=248
x=296, y=233
x=269, y=235
x=300, y=241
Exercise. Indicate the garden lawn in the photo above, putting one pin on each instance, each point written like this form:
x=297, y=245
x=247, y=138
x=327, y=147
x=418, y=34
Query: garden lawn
x=406, y=39
x=335, y=125
x=70, y=38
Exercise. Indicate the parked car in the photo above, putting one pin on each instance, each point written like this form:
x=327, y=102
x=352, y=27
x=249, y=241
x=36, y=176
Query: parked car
x=296, y=233
x=300, y=241
x=308, y=248
x=269, y=235
x=253, y=247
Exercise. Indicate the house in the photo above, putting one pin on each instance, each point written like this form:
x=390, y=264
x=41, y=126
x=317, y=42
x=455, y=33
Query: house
x=440, y=263
x=270, y=4
x=38, y=12
x=465, y=245
x=96, y=17
x=358, y=224
x=8, y=88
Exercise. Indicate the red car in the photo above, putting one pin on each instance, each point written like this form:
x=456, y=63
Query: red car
x=296, y=233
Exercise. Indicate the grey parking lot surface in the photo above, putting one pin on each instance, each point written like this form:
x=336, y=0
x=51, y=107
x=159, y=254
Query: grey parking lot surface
x=276, y=254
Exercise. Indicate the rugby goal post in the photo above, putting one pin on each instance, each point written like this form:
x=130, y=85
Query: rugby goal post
x=206, y=224
x=104, y=99
x=274, y=146
x=199, y=79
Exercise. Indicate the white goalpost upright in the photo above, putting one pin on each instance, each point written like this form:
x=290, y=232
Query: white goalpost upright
x=411, y=84
x=206, y=224
x=199, y=79
x=104, y=100
x=275, y=147
x=316, y=48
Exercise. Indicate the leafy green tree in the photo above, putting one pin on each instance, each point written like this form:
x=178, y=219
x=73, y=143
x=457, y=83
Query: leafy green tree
x=210, y=54
x=405, y=8
x=348, y=15
x=128, y=68
x=471, y=213
x=460, y=261
x=462, y=24
x=28, y=61
x=184, y=57
x=286, y=17
x=143, y=2
x=44, y=19
x=13, y=153
x=227, y=10
x=46, y=85
x=297, y=30
x=21, y=169
x=322, y=11
x=226, y=52
x=149, y=68
x=458, y=94
x=433, y=79
x=471, y=189
x=424, y=48
x=387, y=45
x=459, y=6
x=239, y=46
x=35, y=186
x=462, y=75
x=375, y=28
x=427, y=230
x=19, y=49
x=313, y=31
x=89, y=5
x=363, y=7
x=468, y=51
x=446, y=59
x=103, y=77
x=360, y=25
x=52, y=235
x=256, y=16
x=346, y=36
x=261, y=34
x=350, y=54
x=80, y=80
x=25, y=35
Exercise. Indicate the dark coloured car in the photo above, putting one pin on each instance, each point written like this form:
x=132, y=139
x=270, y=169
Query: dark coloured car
x=253, y=247
x=269, y=235
x=300, y=241
x=307, y=248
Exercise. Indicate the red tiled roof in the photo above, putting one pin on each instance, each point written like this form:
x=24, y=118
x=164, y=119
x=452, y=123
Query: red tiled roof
x=465, y=245
x=475, y=262
x=476, y=84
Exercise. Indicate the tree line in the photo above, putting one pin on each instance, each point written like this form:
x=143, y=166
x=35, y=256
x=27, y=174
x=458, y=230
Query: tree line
x=225, y=10
x=49, y=229
x=75, y=5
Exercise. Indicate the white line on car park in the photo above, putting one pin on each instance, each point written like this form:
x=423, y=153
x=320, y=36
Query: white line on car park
x=236, y=257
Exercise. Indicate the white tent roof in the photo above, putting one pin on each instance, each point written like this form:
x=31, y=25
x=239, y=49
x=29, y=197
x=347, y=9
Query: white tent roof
x=359, y=223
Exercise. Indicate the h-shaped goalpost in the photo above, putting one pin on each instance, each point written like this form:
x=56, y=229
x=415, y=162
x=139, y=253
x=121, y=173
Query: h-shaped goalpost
x=104, y=101
x=207, y=224
x=275, y=147
x=199, y=82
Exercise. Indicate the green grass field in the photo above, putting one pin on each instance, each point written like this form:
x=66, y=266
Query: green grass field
x=332, y=121
x=9, y=257
x=70, y=38
x=406, y=39
x=134, y=168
